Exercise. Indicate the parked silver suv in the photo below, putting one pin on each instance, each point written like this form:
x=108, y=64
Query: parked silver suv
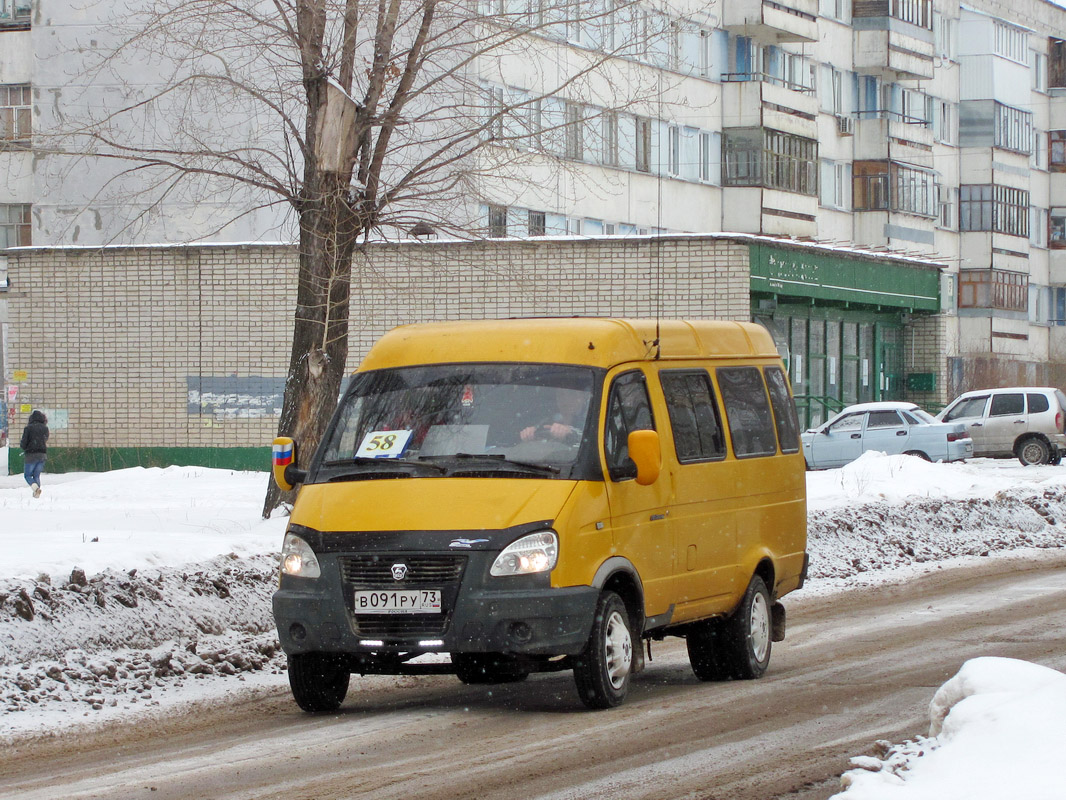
x=1025, y=422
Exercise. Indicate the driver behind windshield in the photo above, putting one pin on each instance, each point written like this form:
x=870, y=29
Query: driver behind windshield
x=564, y=423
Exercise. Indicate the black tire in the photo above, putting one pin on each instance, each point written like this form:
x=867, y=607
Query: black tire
x=708, y=651
x=738, y=646
x=319, y=681
x=1033, y=451
x=604, y=668
x=917, y=454
x=482, y=668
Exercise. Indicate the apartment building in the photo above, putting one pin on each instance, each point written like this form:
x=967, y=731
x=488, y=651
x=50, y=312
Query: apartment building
x=919, y=127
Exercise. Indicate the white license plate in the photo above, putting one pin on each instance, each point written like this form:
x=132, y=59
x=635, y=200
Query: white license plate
x=416, y=601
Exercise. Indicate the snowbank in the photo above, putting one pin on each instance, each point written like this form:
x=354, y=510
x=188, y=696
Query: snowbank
x=143, y=586
x=997, y=729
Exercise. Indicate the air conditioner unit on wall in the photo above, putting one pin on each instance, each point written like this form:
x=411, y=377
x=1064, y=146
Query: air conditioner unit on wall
x=845, y=126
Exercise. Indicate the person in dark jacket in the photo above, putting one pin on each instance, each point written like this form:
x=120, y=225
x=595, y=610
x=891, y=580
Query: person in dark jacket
x=34, y=446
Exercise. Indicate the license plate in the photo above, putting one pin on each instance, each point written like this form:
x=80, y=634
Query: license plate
x=417, y=601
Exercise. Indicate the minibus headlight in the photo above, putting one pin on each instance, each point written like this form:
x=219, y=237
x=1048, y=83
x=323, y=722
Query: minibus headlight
x=297, y=558
x=537, y=552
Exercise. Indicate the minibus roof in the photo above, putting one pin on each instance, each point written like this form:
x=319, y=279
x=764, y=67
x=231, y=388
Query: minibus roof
x=592, y=341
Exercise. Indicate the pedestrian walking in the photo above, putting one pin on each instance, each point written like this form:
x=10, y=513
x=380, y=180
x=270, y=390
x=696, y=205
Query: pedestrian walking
x=34, y=446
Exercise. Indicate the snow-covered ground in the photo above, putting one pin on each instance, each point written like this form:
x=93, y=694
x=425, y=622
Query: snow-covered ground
x=146, y=588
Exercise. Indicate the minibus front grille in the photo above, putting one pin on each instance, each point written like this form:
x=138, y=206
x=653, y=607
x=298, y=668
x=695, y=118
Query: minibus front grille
x=377, y=571
x=394, y=626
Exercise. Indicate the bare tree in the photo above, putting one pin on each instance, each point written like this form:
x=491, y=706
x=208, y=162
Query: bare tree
x=363, y=118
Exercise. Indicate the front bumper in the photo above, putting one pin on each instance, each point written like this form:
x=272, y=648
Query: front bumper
x=521, y=615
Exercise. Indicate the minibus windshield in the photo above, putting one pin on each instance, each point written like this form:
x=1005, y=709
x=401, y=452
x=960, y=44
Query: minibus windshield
x=468, y=420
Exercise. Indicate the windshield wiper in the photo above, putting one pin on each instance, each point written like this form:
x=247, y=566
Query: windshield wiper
x=382, y=462
x=496, y=458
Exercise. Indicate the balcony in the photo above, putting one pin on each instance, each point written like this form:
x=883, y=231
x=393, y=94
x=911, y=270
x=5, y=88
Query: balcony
x=883, y=134
x=894, y=38
x=771, y=22
x=758, y=100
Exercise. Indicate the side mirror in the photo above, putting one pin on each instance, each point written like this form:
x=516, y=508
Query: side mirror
x=286, y=475
x=645, y=453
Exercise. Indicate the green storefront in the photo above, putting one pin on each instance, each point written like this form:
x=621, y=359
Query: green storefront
x=839, y=321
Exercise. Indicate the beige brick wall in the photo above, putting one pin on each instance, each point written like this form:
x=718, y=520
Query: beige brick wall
x=110, y=336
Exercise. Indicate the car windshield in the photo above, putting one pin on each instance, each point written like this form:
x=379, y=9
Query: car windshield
x=470, y=420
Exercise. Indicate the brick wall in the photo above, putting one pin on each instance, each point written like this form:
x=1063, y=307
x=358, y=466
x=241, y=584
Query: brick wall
x=169, y=348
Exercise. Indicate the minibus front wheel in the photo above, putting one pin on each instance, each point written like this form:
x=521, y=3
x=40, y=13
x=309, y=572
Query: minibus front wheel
x=603, y=669
x=319, y=681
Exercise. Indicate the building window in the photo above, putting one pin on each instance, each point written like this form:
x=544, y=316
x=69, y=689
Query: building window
x=916, y=12
x=1000, y=209
x=771, y=159
x=609, y=126
x=14, y=226
x=643, y=144
x=537, y=223
x=948, y=194
x=705, y=156
x=1056, y=63
x=1057, y=229
x=673, y=150
x=1013, y=129
x=888, y=186
x=1038, y=226
x=497, y=222
x=1011, y=42
x=15, y=12
x=15, y=115
x=1057, y=152
x=575, y=131
x=994, y=288
x=1038, y=70
x=944, y=125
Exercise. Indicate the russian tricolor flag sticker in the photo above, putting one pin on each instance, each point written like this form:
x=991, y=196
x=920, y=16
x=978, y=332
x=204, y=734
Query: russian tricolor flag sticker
x=282, y=454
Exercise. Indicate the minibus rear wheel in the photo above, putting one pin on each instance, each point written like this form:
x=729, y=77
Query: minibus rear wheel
x=319, y=681
x=748, y=632
x=603, y=669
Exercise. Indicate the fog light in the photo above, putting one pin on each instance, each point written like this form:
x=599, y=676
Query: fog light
x=520, y=631
x=297, y=631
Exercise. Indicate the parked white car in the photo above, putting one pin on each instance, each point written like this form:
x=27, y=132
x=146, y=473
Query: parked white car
x=1026, y=422
x=887, y=427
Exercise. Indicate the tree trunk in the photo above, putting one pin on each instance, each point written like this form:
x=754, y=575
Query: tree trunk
x=329, y=231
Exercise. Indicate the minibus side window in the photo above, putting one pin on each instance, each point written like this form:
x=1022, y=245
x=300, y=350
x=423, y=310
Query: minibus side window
x=747, y=410
x=628, y=409
x=784, y=410
x=694, y=418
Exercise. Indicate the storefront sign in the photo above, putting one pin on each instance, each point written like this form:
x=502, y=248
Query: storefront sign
x=828, y=276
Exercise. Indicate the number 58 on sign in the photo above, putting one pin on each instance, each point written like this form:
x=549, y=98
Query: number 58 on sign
x=383, y=444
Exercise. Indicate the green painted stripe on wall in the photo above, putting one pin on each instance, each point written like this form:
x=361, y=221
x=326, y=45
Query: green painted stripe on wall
x=101, y=459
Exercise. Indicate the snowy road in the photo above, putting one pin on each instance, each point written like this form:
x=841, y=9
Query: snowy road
x=855, y=668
